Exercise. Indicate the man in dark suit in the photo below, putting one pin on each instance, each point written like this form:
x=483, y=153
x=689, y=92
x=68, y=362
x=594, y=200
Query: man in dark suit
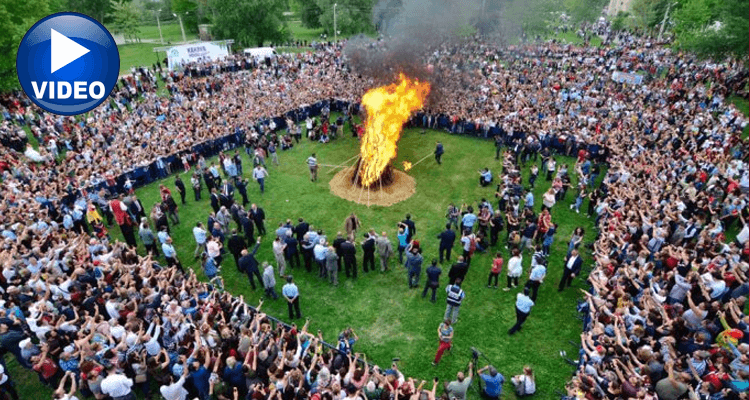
x=349, y=252
x=234, y=211
x=571, y=268
x=412, y=228
x=136, y=207
x=215, y=202
x=247, y=226
x=236, y=244
x=209, y=179
x=291, y=252
x=258, y=217
x=337, y=246
x=249, y=265
x=242, y=188
x=447, y=238
x=227, y=194
x=180, y=187
x=300, y=230
x=439, y=150
x=368, y=251
x=458, y=271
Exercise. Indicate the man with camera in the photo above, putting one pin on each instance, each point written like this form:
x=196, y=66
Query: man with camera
x=492, y=382
x=456, y=390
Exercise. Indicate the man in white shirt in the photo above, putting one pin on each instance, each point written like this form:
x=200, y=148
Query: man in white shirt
x=117, y=385
x=175, y=390
x=260, y=174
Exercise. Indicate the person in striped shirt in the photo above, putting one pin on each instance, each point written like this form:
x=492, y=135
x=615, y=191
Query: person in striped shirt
x=312, y=163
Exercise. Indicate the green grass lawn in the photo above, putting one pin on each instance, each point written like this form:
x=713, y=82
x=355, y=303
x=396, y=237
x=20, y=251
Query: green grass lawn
x=299, y=32
x=170, y=31
x=743, y=105
x=391, y=320
x=137, y=54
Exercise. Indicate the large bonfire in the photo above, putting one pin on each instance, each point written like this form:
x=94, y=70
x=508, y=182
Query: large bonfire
x=388, y=108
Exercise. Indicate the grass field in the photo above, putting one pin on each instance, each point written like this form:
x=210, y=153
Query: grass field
x=169, y=30
x=137, y=55
x=299, y=32
x=742, y=105
x=390, y=319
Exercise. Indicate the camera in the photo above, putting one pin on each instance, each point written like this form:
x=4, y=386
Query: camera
x=475, y=354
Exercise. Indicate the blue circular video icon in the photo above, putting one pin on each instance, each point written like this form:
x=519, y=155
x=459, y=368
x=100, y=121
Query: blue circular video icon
x=68, y=63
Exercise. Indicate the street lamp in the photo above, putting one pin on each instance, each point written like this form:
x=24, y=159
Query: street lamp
x=179, y=17
x=158, y=24
x=335, y=28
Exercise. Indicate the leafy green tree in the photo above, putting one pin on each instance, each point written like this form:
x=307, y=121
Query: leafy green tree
x=620, y=20
x=124, y=18
x=352, y=16
x=584, y=10
x=713, y=28
x=250, y=22
x=192, y=12
x=309, y=13
x=97, y=9
x=533, y=17
x=16, y=17
x=644, y=14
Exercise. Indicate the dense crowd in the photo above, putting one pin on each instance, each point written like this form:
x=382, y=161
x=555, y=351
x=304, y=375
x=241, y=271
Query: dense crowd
x=664, y=315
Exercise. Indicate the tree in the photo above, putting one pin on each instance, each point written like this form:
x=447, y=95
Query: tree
x=584, y=10
x=250, y=22
x=16, y=17
x=97, y=9
x=192, y=12
x=644, y=14
x=309, y=13
x=618, y=23
x=124, y=18
x=533, y=17
x=352, y=16
x=713, y=28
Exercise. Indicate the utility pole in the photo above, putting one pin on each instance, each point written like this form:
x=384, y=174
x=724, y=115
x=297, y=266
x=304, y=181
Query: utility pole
x=335, y=27
x=179, y=18
x=664, y=21
x=158, y=24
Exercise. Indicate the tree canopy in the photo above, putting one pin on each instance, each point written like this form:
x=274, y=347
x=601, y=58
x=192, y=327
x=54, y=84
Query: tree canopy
x=352, y=16
x=16, y=17
x=713, y=28
x=250, y=22
x=124, y=18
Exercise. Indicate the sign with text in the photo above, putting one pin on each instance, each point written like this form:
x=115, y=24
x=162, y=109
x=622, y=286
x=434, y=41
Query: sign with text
x=195, y=52
x=630, y=79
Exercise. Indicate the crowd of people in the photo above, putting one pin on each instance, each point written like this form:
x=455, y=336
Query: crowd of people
x=664, y=317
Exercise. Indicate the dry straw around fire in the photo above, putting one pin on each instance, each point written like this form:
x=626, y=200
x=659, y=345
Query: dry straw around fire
x=402, y=187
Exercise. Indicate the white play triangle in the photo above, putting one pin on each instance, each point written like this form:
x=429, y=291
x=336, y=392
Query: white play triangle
x=64, y=50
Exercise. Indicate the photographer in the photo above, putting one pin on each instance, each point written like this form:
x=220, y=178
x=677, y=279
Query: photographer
x=456, y=390
x=492, y=382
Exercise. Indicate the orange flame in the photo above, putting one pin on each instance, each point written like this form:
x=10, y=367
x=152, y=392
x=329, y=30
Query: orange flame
x=407, y=165
x=388, y=108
